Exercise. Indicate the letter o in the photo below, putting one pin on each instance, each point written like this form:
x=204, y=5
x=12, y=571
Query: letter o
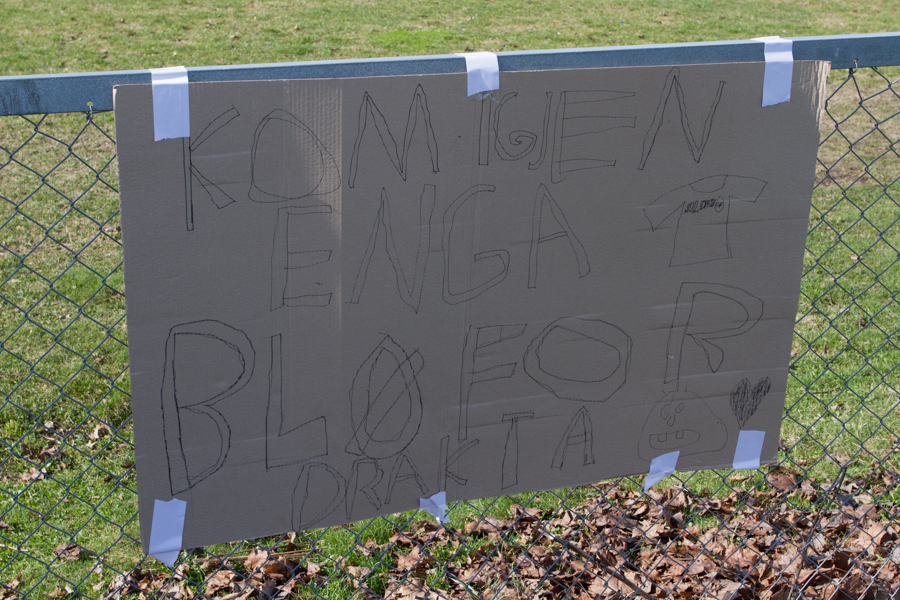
x=591, y=390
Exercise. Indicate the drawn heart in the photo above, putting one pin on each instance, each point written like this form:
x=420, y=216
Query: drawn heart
x=745, y=400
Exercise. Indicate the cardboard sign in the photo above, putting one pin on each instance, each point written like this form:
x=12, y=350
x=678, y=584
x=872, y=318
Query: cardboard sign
x=346, y=296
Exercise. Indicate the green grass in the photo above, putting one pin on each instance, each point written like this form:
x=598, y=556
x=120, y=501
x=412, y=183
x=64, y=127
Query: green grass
x=63, y=363
x=845, y=349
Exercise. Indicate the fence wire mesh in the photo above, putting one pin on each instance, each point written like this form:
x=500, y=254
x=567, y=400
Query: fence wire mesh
x=822, y=523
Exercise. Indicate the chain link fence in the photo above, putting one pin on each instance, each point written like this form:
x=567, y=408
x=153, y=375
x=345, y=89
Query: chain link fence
x=822, y=523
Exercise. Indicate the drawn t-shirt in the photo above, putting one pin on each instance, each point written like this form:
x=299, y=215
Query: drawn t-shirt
x=702, y=209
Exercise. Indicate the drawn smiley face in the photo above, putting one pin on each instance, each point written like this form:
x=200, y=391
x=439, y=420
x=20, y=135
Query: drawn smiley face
x=681, y=421
x=672, y=438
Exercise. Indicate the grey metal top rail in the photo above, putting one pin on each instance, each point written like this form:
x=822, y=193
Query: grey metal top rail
x=30, y=94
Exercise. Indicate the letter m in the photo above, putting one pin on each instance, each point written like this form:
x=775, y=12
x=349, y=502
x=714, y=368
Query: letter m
x=369, y=114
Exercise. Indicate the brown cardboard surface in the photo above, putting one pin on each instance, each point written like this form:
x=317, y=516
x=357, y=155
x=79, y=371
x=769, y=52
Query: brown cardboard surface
x=346, y=295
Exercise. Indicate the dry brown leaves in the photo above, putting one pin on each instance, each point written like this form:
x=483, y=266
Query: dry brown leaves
x=144, y=585
x=33, y=474
x=664, y=544
x=67, y=551
x=8, y=590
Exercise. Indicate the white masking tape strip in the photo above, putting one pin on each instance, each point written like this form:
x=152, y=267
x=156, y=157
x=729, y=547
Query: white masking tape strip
x=749, y=449
x=483, y=72
x=661, y=467
x=779, y=70
x=435, y=505
x=166, y=530
x=171, y=110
